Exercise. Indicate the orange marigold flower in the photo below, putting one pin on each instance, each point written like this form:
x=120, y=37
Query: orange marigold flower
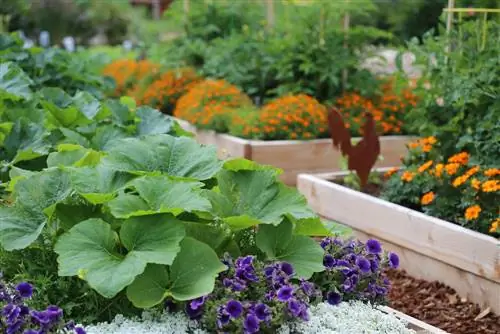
x=452, y=168
x=425, y=166
x=293, y=117
x=407, y=176
x=472, y=171
x=460, y=158
x=391, y=172
x=495, y=225
x=492, y=172
x=164, y=92
x=476, y=184
x=427, y=148
x=472, y=212
x=414, y=144
x=427, y=198
x=491, y=186
x=208, y=100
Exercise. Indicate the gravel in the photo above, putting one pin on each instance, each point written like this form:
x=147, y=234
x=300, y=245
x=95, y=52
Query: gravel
x=346, y=318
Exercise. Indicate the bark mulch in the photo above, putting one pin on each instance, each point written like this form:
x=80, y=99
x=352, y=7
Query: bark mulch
x=439, y=305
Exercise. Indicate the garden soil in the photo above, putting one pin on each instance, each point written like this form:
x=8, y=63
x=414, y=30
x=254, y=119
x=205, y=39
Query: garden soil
x=439, y=306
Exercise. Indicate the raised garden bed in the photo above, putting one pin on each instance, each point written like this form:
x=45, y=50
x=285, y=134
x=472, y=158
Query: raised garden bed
x=430, y=248
x=294, y=156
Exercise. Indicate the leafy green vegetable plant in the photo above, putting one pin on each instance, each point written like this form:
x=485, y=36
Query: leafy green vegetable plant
x=145, y=213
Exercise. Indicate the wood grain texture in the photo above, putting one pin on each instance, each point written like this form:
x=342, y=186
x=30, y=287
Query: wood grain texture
x=430, y=248
x=419, y=326
x=294, y=156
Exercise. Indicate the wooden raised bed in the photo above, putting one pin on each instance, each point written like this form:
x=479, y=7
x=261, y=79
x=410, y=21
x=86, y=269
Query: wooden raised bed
x=429, y=248
x=294, y=156
x=418, y=326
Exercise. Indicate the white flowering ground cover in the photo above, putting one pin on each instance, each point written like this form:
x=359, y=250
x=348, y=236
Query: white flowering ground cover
x=346, y=318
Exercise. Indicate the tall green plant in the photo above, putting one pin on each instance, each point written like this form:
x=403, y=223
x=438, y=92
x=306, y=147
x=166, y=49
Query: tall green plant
x=460, y=99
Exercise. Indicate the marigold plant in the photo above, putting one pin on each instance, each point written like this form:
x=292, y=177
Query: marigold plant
x=388, y=110
x=453, y=188
x=288, y=117
x=164, y=92
x=127, y=73
x=207, y=103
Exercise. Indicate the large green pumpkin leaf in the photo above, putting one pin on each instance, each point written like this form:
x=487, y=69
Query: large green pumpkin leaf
x=98, y=184
x=192, y=275
x=175, y=156
x=14, y=83
x=41, y=191
x=73, y=155
x=152, y=122
x=154, y=238
x=305, y=254
x=149, y=288
x=88, y=105
x=194, y=270
x=106, y=134
x=26, y=141
x=256, y=197
x=163, y=195
x=89, y=250
x=19, y=228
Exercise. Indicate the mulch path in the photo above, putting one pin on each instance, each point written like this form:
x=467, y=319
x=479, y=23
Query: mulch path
x=439, y=305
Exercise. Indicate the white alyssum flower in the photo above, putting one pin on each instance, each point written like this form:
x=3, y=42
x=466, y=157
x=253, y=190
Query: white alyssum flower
x=149, y=323
x=347, y=318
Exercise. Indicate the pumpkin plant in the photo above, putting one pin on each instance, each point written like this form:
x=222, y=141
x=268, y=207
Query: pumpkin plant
x=143, y=214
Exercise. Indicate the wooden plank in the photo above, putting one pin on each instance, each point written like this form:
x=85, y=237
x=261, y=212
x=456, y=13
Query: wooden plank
x=431, y=248
x=419, y=326
x=318, y=156
x=294, y=156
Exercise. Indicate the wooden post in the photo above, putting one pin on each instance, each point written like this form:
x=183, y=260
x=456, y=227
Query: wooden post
x=156, y=9
x=186, y=11
x=346, y=24
x=270, y=14
x=451, y=4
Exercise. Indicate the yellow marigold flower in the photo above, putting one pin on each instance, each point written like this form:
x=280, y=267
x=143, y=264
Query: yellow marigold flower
x=460, y=158
x=431, y=140
x=476, y=184
x=495, y=225
x=491, y=186
x=427, y=198
x=472, y=212
x=438, y=170
x=407, y=176
x=460, y=180
x=492, y=172
x=451, y=168
x=391, y=172
x=425, y=166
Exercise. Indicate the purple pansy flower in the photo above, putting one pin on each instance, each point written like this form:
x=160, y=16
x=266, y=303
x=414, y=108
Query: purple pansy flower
x=25, y=290
x=251, y=324
x=285, y=293
x=333, y=298
x=373, y=246
x=393, y=260
x=234, y=308
x=363, y=264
